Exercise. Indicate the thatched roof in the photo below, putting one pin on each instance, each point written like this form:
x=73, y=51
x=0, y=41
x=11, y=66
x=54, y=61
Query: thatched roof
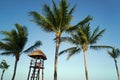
x=38, y=54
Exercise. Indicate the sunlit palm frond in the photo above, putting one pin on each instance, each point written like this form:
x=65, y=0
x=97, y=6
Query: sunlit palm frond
x=72, y=9
x=42, y=21
x=50, y=16
x=84, y=21
x=66, y=39
x=81, y=35
x=96, y=35
x=72, y=40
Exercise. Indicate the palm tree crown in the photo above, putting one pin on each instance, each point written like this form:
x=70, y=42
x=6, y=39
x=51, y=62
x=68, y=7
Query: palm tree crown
x=83, y=39
x=4, y=66
x=115, y=53
x=14, y=43
x=55, y=19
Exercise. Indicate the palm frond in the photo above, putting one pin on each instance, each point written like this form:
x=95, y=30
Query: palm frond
x=65, y=18
x=1, y=66
x=42, y=21
x=71, y=29
x=84, y=21
x=114, y=53
x=70, y=40
x=4, y=65
x=81, y=35
x=6, y=33
x=72, y=9
x=22, y=30
x=7, y=53
x=22, y=36
x=96, y=36
x=97, y=47
x=71, y=50
x=5, y=46
x=65, y=39
x=49, y=15
x=87, y=31
x=33, y=47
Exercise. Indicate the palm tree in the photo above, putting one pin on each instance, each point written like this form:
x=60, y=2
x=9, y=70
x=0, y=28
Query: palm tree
x=83, y=39
x=115, y=53
x=14, y=43
x=4, y=66
x=56, y=20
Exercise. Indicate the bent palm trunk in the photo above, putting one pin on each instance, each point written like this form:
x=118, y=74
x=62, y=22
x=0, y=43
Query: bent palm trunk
x=117, y=69
x=2, y=74
x=15, y=68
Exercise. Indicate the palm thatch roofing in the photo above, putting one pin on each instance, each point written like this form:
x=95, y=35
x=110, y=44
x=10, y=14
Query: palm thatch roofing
x=38, y=54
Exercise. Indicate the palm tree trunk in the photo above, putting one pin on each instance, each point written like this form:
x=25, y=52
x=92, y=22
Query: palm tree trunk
x=2, y=74
x=85, y=65
x=56, y=54
x=15, y=68
x=117, y=69
x=43, y=70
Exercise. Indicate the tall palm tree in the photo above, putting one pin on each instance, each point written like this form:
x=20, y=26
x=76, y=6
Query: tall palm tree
x=57, y=20
x=83, y=39
x=115, y=53
x=4, y=66
x=14, y=43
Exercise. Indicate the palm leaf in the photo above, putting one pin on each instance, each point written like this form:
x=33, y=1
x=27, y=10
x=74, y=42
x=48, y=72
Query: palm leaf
x=114, y=53
x=73, y=52
x=96, y=36
x=33, y=47
x=40, y=20
x=5, y=46
x=69, y=50
x=97, y=47
x=4, y=65
x=7, y=53
x=84, y=21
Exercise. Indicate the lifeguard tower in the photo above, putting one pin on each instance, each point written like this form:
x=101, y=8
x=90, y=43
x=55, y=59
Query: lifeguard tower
x=36, y=68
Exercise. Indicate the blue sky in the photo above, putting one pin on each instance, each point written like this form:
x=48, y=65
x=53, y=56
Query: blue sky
x=106, y=14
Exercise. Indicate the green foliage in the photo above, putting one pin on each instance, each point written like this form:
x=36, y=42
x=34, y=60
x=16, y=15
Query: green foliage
x=55, y=18
x=114, y=53
x=14, y=42
x=83, y=38
x=4, y=65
